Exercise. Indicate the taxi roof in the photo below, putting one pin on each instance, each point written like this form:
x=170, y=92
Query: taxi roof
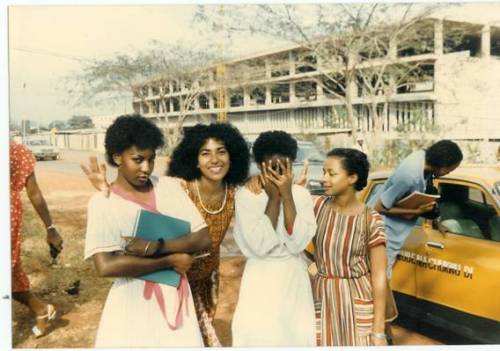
x=481, y=173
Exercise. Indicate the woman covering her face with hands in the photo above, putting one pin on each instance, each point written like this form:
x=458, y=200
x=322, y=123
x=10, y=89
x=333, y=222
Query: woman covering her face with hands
x=275, y=305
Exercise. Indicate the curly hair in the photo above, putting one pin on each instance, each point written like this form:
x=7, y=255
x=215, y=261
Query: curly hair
x=184, y=160
x=275, y=142
x=131, y=130
x=354, y=162
x=444, y=153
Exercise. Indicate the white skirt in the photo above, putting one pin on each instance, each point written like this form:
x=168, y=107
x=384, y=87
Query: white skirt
x=275, y=305
x=129, y=320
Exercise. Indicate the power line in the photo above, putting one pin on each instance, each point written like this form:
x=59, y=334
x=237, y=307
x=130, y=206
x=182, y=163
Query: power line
x=50, y=53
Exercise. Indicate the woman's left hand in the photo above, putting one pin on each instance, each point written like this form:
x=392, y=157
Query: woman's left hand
x=378, y=341
x=139, y=247
x=55, y=241
x=282, y=177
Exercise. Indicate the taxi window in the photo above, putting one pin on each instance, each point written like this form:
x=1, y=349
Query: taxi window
x=464, y=210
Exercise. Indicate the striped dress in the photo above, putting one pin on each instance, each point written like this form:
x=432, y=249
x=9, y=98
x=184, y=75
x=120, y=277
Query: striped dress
x=342, y=288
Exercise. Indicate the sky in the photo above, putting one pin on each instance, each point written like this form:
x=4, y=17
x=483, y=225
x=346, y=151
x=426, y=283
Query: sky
x=47, y=43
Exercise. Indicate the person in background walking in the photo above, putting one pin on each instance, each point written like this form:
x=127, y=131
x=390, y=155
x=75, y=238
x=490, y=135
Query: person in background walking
x=22, y=175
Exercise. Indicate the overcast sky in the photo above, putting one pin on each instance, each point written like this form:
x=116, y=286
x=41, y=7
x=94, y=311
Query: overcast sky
x=46, y=43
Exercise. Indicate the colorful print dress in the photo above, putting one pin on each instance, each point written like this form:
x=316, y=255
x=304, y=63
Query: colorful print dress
x=342, y=288
x=22, y=165
x=203, y=275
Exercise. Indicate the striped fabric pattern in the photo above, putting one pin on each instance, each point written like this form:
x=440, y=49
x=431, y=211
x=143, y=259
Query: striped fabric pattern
x=342, y=287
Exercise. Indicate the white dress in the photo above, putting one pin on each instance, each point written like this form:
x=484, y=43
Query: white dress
x=275, y=305
x=128, y=319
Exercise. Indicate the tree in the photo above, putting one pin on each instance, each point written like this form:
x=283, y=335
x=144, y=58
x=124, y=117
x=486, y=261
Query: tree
x=358, y=49
x=131, y=75
x=80, y=122
x=57, y=124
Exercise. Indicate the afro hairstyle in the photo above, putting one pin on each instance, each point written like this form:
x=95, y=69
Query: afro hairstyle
x=131, y=130
x=184, y=160
x=275, y=142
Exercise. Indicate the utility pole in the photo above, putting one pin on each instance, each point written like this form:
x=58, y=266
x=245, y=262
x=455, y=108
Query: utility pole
x=220, y=73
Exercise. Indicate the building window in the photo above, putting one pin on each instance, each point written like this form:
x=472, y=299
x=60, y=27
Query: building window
x=421, y=80
x=306, y=91
x=155, y=90
x=462, y=37
x=203, y=102
x=280, y=65
x=305, y=62
x=167, y=105
x=280, y=93
x=258, y=96
x=418, y=40
x=175, y=86
x=145, y=91
x=145, y=108
x=236, y=98
x=495, y=41
x=333, y=85
x=176, y=104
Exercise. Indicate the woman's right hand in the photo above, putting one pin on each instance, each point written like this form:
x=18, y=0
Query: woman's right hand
x=96, y=174
x=180, y=262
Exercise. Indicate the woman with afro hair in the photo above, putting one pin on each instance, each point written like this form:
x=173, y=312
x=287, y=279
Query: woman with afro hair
x=349, y=250
x=211, y=161
x=140, y=313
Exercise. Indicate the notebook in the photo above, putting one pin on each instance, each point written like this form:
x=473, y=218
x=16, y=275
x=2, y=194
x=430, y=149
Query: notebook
x=152, y=226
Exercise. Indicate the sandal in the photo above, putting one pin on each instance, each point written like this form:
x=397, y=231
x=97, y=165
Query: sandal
x=50, y=315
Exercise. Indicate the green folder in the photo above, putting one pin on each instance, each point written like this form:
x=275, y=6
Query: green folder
x=152, y=226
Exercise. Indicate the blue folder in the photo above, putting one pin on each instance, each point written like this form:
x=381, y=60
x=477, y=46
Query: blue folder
x=152, y=226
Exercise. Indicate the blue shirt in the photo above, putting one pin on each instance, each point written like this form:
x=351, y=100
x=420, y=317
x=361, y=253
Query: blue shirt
x=407, y=178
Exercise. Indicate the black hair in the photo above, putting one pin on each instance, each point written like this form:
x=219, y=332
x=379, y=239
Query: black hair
x=275, y=142
x=444, y=153
x=131, y=130
x=354, y=162
x=184, y=161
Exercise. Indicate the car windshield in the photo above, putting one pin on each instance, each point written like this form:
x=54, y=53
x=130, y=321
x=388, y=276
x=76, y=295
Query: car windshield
x=310, y=152
x=38, y=142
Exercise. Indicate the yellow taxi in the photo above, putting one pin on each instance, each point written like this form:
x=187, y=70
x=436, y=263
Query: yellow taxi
x=452, y=279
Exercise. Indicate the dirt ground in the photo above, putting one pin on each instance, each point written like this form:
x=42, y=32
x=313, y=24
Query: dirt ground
x=67, y=196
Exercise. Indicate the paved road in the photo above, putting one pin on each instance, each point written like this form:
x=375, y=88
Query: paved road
x=70, y=160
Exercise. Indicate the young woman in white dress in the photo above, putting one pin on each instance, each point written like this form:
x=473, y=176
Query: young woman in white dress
x=137, y=313
x=273, y=227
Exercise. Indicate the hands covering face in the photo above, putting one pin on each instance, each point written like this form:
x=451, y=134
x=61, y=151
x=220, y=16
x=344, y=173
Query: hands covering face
x=277, y=178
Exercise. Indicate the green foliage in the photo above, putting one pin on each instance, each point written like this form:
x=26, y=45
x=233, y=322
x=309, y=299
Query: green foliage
x=80, y=122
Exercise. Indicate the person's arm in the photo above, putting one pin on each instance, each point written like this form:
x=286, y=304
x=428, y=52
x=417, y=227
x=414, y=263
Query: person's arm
x=378, y=261
x=400, y=211
x=274, y=196
x=36, y=198
x=253, y=230
x=109, y=264
x=189, y=243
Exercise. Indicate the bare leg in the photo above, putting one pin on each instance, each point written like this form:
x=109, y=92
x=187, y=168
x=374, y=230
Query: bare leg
x=36, y=305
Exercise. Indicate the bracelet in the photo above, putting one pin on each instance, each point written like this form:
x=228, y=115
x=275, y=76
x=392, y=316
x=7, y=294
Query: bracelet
x=52, y=226
x=381, y=336
x=146, y=248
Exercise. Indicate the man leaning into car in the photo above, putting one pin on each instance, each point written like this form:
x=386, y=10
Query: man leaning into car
x=414, y=173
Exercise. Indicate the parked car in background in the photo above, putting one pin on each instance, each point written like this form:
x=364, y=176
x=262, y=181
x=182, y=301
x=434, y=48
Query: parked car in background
x=452, y=280
x=306, y=150
x=42, y=149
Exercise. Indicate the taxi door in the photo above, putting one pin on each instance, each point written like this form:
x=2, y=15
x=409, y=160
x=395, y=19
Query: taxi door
x=461, y=268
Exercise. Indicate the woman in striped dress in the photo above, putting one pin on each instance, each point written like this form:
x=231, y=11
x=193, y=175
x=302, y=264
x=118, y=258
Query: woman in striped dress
x=350, y=286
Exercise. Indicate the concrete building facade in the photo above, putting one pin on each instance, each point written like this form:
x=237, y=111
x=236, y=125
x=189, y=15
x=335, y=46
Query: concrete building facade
x=460, y=92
